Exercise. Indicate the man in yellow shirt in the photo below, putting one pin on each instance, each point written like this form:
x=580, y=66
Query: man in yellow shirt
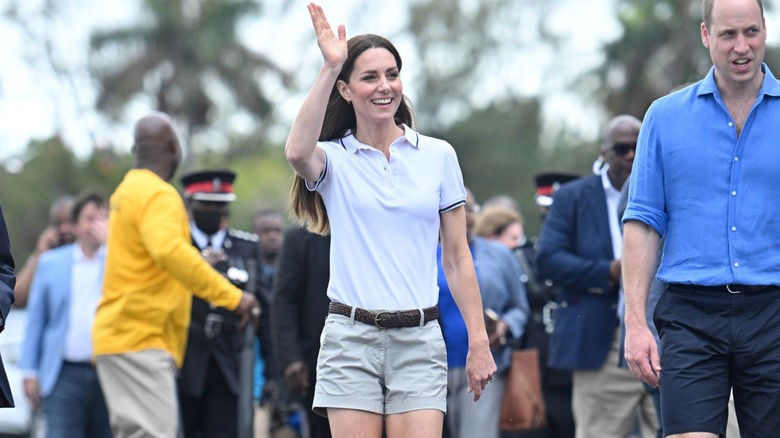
x=152, y=271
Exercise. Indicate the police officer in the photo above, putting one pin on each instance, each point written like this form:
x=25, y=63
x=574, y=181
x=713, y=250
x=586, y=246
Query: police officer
x=209, y=379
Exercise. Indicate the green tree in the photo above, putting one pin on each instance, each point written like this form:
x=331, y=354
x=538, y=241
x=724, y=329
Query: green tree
x=660, y=49
x=186, y=57
x=499, y=152
x=470, y=53
x=51, y=171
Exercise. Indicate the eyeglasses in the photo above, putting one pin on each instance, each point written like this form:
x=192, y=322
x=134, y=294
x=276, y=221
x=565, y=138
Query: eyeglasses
x=622, y=149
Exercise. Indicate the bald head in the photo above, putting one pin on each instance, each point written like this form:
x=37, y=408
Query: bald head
x=156, y=145
x=619, y=146
x=624, y=127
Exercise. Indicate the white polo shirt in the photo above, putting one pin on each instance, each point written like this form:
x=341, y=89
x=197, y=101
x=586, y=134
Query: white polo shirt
x=384, y=218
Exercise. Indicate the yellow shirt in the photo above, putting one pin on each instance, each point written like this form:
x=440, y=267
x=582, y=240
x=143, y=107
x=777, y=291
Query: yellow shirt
x=152, y=270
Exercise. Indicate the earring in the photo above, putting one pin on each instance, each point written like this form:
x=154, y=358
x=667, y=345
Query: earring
x=598, y=165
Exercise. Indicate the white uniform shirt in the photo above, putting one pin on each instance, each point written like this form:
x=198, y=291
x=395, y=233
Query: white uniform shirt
x=203, y=240
x=613, y=199
x=384, y=218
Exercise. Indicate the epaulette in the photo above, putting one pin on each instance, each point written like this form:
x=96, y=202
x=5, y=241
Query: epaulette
x=243, y=235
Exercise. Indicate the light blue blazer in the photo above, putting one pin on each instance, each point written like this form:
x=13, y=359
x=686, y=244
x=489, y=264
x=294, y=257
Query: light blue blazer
x=48, y=315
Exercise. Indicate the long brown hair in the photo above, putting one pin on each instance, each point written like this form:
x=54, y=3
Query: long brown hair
x=307, y=206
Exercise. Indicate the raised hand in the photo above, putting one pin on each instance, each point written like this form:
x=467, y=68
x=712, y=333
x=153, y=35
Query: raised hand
x=332, y=46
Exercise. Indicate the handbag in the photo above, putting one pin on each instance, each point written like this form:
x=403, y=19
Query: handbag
x=522, y=407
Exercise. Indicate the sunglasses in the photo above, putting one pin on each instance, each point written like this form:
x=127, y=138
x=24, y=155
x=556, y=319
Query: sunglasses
x=622, y=149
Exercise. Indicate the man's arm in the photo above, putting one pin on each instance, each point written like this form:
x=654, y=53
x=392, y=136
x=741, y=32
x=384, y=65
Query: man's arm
x=48, y=239
x=163, y=236
x=640, y=249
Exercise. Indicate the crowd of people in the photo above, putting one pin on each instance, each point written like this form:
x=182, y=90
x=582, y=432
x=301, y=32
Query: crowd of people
x=393, y=302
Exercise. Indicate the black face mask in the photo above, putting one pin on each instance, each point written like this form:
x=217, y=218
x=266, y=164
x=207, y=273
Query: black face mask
x=207, y=221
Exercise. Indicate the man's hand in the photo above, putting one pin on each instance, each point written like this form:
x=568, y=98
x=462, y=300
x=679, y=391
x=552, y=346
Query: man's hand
x=32, y=391
x=296, y=377
x=99, y=230
x=642, y=354
x=248, y=308
x=48, y=239
x=615, y=272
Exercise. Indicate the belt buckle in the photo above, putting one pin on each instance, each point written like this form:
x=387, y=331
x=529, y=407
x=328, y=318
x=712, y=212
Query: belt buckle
x=728, y=288
x=378, y=314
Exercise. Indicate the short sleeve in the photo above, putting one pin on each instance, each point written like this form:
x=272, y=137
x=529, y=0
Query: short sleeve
x=453, y=192
x=313, y=186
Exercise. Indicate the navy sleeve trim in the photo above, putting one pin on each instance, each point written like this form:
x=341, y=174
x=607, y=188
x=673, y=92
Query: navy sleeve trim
x=312, y=186
x=452, y=206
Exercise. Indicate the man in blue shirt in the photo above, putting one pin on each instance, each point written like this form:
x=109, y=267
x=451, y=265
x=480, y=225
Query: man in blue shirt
x=703, y=178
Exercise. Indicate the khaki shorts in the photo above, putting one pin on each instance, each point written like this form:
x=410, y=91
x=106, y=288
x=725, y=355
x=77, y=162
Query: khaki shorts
x=385, y=371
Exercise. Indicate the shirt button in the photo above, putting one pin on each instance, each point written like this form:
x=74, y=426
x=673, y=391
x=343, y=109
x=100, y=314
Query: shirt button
x=733, y=228
x=731, y=124
x=734, y=193
x=736, y=264
x=736, y=158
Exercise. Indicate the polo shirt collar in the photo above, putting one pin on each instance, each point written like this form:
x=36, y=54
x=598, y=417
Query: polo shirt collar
x=770, y=85
x=351, y=144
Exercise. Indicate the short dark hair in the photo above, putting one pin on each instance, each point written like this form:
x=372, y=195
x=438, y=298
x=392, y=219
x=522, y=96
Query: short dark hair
x=708, y=5
x=89, y=196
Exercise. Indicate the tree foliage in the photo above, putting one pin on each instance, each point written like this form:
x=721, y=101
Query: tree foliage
x=186, y=58
x=499, y=152
x=659, y=50
x=469, y=53
x=52, y=171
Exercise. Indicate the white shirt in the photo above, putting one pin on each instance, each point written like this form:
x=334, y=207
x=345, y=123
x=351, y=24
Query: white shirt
x=613, y=199
x=384, y=218
x=202, y=239
x=86, y=286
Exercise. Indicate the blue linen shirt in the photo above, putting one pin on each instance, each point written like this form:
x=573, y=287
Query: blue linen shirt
x=713, y=194
x=500, y=283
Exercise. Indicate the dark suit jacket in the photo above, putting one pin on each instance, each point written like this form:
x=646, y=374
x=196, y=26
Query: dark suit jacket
x=575, y=251
x=225, y=348
x=300, y=303
x=7, y=283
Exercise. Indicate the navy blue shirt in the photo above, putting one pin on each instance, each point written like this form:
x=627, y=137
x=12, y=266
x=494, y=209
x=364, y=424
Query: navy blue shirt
x=715, y=195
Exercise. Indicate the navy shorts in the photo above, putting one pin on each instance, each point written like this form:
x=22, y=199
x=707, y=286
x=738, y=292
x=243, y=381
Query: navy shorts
x=711, y=341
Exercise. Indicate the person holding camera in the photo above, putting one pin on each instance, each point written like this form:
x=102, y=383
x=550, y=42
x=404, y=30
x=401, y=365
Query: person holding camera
x=208, y=384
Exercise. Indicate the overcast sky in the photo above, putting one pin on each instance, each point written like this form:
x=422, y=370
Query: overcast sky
x=35, y=103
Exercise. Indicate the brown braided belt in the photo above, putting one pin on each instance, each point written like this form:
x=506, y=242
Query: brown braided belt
x=386, y=319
